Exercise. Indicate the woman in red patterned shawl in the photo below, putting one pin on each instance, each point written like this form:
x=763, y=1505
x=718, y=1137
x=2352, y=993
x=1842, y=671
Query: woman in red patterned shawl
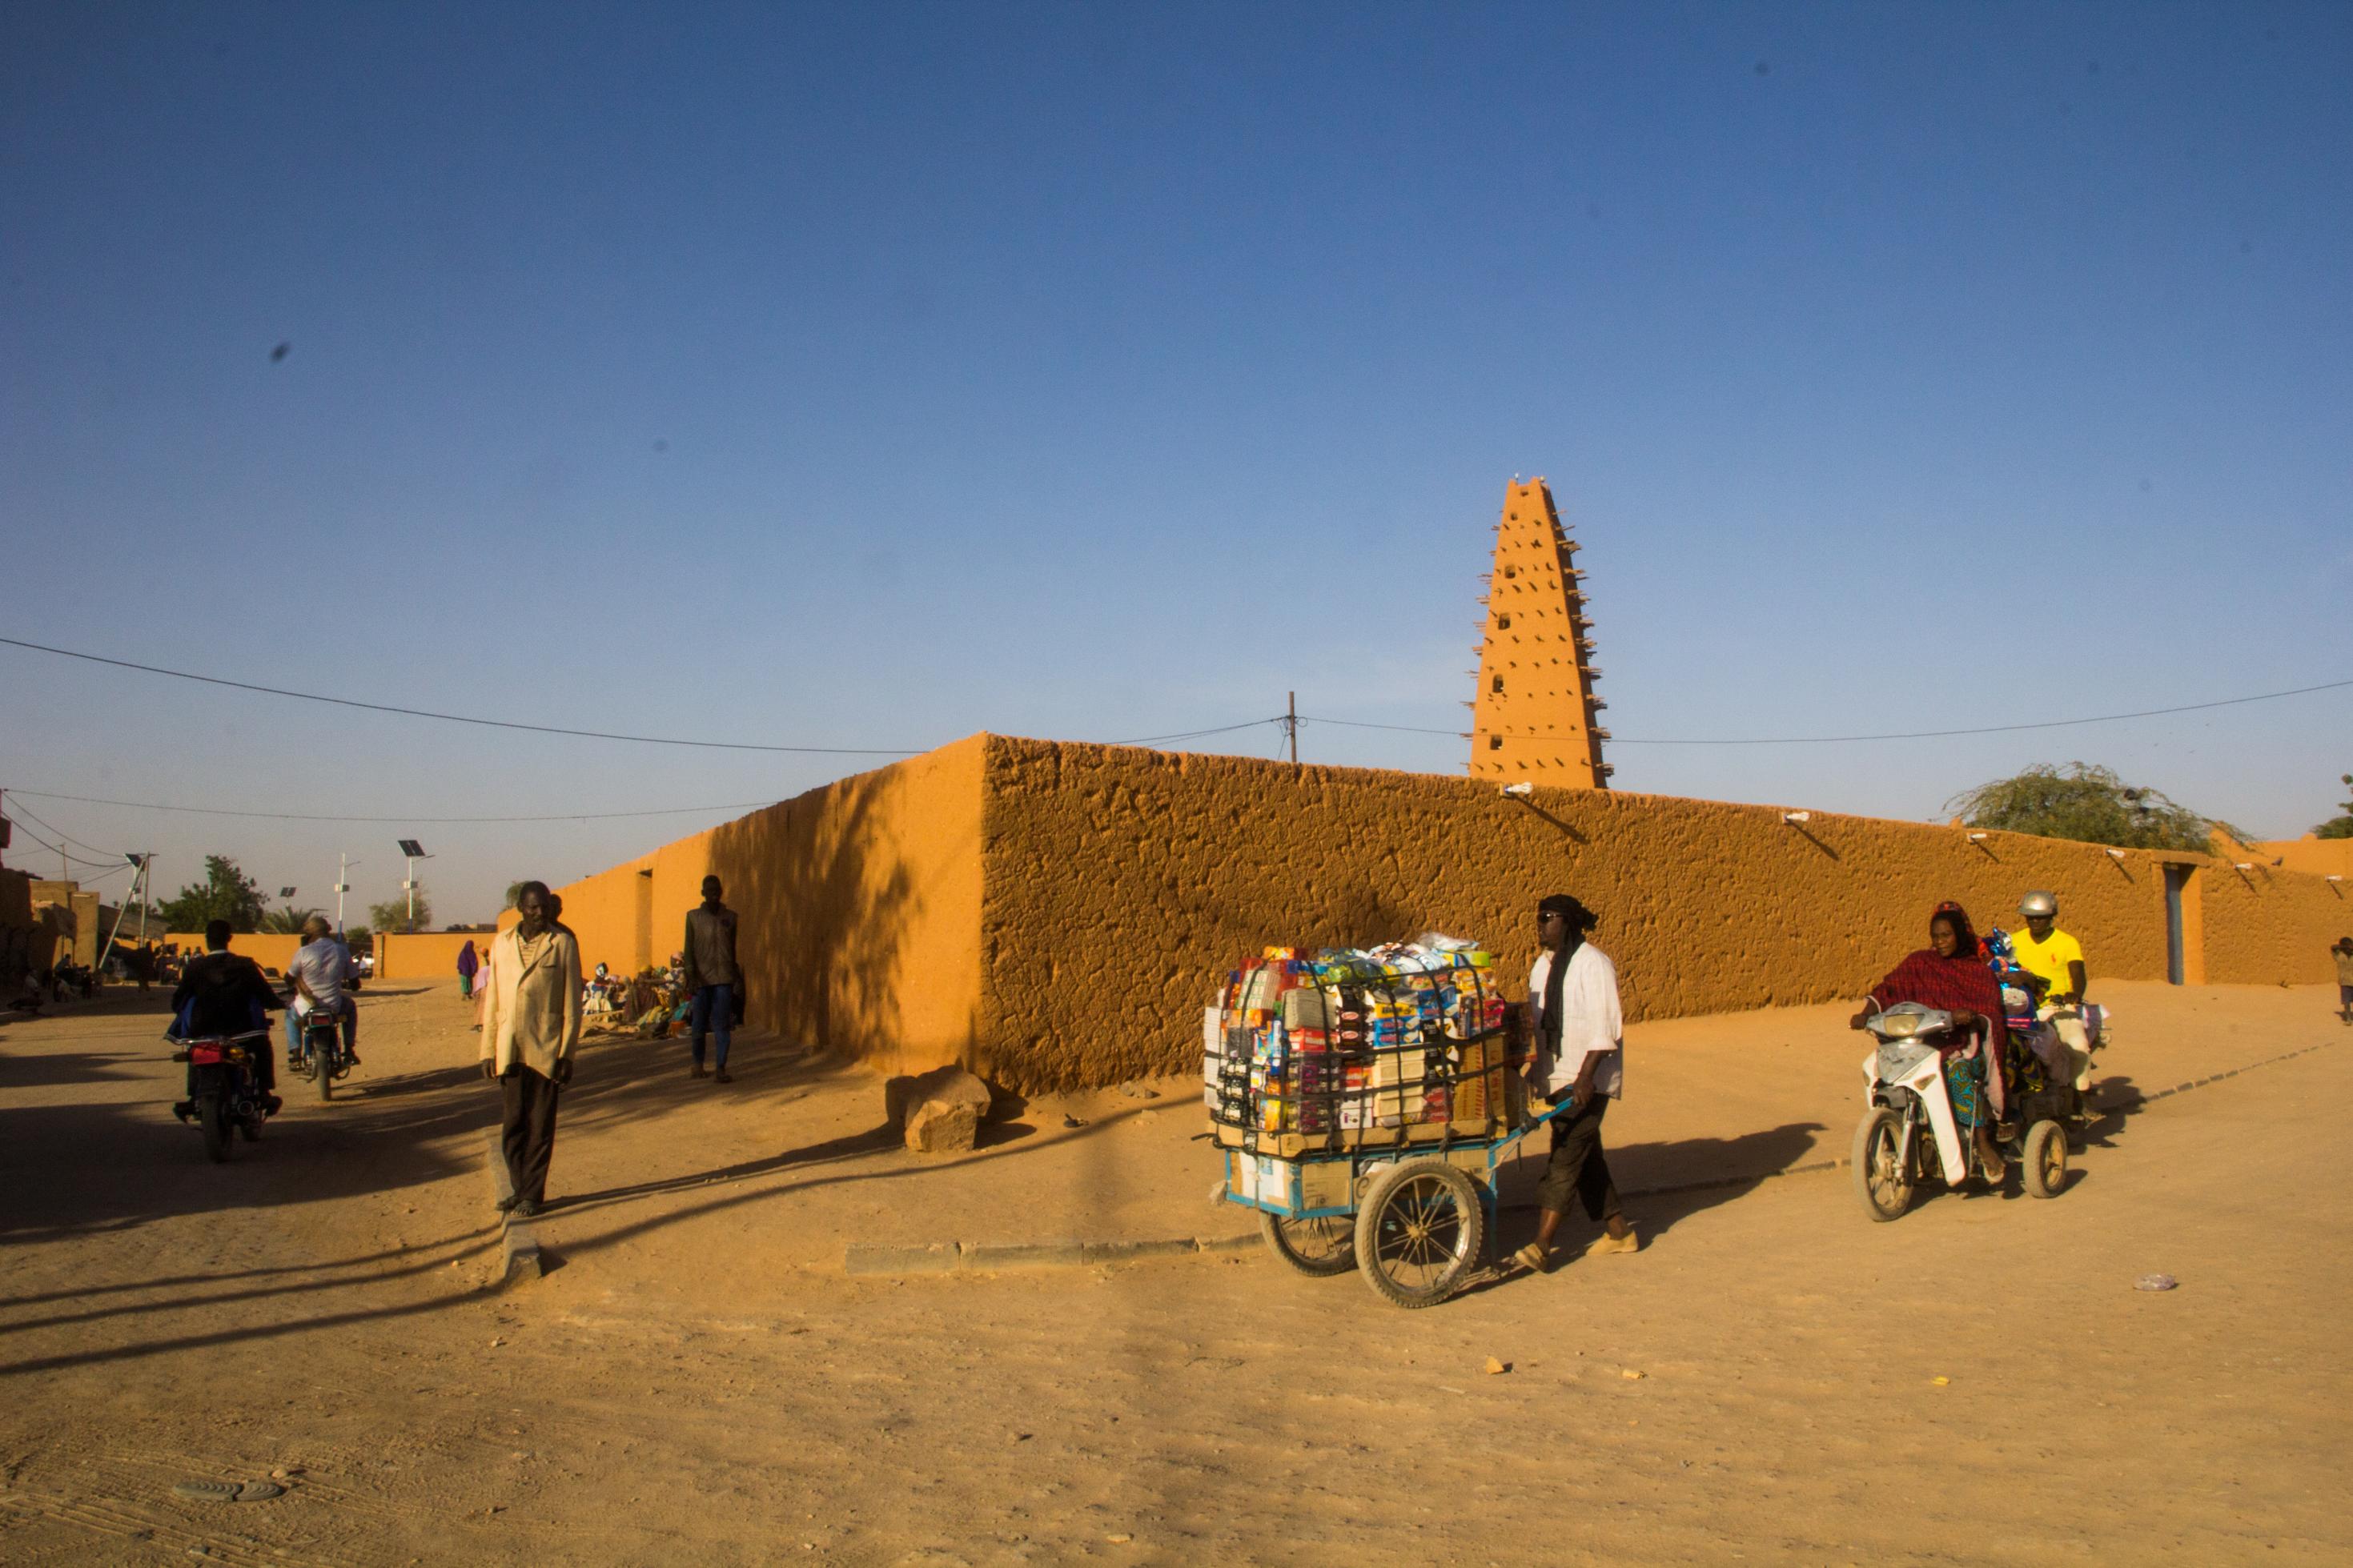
x=1950, y=972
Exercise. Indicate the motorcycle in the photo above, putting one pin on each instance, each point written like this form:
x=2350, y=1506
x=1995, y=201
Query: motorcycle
x=1909, y=1135
x=226, y=1096
x=322, y=1060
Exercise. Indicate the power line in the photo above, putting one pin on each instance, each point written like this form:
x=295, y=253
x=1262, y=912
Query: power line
x=1903, y=735
x=53, y=828
x=462, y=718
x=75, y=860
x=549, y=728
x=420, y=821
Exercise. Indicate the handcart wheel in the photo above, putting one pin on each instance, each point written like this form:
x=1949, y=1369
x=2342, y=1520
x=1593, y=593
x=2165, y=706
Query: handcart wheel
x=1322, y=1247
x=1421, y=1230
x=2046, y=1158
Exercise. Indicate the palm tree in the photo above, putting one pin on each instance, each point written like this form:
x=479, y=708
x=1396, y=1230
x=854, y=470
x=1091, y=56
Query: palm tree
x=288, y=919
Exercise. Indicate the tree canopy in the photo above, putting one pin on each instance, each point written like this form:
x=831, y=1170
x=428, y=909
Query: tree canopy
x=290, y=919
x=2086, y=802
x=393, y=914
x=2341, y=825
x=226, y=893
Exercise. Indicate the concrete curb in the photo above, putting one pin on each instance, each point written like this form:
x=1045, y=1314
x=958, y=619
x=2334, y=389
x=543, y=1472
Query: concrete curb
x=984, y=1257
x=519, y=1247
x=992, y=1257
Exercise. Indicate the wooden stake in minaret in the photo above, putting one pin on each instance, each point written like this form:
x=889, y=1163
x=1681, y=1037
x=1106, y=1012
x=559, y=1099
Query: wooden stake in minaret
x=1535, y=717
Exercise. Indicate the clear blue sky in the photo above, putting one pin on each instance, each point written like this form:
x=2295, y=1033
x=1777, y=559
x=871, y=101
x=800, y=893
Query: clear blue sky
x=871, y=375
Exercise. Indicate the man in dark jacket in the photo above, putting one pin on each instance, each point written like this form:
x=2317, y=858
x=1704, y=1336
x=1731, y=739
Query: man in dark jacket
x=711, y=976
x=225, y=993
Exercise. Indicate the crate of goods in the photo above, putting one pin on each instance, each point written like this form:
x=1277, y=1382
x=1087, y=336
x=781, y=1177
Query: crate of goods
x=1348, y=1048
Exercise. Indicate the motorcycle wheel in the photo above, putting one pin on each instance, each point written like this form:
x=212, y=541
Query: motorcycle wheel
x=2045, y=1159
x=323, y=1070
x=1881, y=1178
x=212, y=1115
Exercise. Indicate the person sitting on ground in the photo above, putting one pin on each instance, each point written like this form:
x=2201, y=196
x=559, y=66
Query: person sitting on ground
x=2343, y=953
x=319, y=969
x=220, y=995
x=1948, y=973
x=2056, y=958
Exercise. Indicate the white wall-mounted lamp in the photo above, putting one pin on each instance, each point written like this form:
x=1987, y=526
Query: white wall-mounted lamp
x=1977, y=837
x=2244, y=864
x=2332, y=878
x=1797, y=816
x=1520, y=791
x=2115, y=854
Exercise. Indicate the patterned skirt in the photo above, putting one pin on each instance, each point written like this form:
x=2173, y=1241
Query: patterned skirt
x=1965, y=1082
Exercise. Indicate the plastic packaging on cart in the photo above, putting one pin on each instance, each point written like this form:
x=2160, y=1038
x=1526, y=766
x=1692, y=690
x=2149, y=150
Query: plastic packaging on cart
x=1345, y=1046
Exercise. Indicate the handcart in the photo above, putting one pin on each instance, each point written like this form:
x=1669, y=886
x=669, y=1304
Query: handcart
x=1364, y=1103
x=1414, y=1220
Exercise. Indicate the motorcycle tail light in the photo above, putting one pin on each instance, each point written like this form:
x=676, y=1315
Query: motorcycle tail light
x=204, y=1056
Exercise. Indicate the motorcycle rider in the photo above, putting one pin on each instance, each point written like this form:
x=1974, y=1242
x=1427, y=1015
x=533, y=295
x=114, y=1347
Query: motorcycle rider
x=2055, y=958
x=319, y=969
x=219, y=993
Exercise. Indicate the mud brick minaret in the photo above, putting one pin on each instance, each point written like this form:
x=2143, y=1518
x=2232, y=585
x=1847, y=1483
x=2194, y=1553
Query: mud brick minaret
x=1535, y=716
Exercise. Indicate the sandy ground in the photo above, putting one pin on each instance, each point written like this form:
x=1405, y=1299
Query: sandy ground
x=698, y=1381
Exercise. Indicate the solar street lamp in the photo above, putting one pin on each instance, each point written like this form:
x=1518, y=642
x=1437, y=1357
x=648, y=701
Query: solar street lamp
x=412, y=851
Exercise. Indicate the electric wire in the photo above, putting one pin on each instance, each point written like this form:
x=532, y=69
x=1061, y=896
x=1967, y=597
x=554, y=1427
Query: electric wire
x=73, y=859
x=49, y=827
x=421, y=821
x=464, y=718
x=1899, y=735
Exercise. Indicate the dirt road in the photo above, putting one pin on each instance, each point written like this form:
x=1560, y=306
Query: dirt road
x=698, y=1383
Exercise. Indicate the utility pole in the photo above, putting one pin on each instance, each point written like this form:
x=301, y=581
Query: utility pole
x=344, y=864
x=1291, y=726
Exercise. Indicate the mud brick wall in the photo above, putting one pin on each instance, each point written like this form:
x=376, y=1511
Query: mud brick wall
x=858, y=903
x=2270, y=927
x=1122, y=882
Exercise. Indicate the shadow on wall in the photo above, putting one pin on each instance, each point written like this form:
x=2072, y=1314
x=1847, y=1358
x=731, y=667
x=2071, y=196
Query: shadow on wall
x=824, y=906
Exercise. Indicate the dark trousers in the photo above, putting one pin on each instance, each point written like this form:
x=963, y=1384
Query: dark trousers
x=1577, y=1166
x=529, y=1134
x=714, y=1012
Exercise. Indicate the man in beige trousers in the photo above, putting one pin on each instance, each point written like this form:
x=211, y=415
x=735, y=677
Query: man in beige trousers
x=531, y=1025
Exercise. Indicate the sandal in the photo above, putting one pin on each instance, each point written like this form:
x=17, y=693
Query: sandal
x=1532, y=1259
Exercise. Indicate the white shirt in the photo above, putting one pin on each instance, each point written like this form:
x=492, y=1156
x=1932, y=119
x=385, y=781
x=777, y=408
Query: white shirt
x=1590, y=1021
x=323, y=966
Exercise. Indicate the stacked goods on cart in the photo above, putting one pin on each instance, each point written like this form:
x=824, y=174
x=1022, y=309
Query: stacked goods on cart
x=1347, y=1047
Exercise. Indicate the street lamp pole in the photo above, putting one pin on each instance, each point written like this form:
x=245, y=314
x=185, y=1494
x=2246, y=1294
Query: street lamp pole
x=412, y=851
x=344, y=864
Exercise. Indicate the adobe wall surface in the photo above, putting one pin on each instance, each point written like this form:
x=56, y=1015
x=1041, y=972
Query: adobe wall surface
x=424, y=955
x=857, y=906
x=2315, y=857
x=16, y=898
x=2272, y=927
x=270, y=949
x=1122, y=882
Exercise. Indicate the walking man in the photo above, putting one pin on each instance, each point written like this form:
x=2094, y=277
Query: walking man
x=711, y=976
x=1580, y=1052
x=531, y=1025
x=2343, y=953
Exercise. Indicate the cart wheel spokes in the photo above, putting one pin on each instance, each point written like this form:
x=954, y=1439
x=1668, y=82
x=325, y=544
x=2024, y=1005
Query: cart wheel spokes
x=1321, y=1247
x=1421, y=1230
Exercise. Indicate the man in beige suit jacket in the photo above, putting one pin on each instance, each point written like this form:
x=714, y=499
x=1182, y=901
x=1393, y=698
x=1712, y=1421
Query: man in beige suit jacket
x=531, y=1025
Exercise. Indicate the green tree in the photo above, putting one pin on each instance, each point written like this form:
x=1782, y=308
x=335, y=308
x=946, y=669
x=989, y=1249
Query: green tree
x=393, y=915
x=515, y=891
x=289, y=919
x=226, y=894
x=2087, y=802
x=2341, y=825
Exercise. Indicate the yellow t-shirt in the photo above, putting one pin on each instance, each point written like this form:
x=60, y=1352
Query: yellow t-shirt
x=2050, y=959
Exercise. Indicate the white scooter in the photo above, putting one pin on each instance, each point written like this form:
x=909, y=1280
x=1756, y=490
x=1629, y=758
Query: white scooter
x=1906, y=1095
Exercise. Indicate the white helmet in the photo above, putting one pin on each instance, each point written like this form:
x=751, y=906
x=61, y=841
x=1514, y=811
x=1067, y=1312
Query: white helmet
x=2038, y=903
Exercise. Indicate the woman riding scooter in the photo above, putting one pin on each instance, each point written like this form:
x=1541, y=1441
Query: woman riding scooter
x=1950, y=972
